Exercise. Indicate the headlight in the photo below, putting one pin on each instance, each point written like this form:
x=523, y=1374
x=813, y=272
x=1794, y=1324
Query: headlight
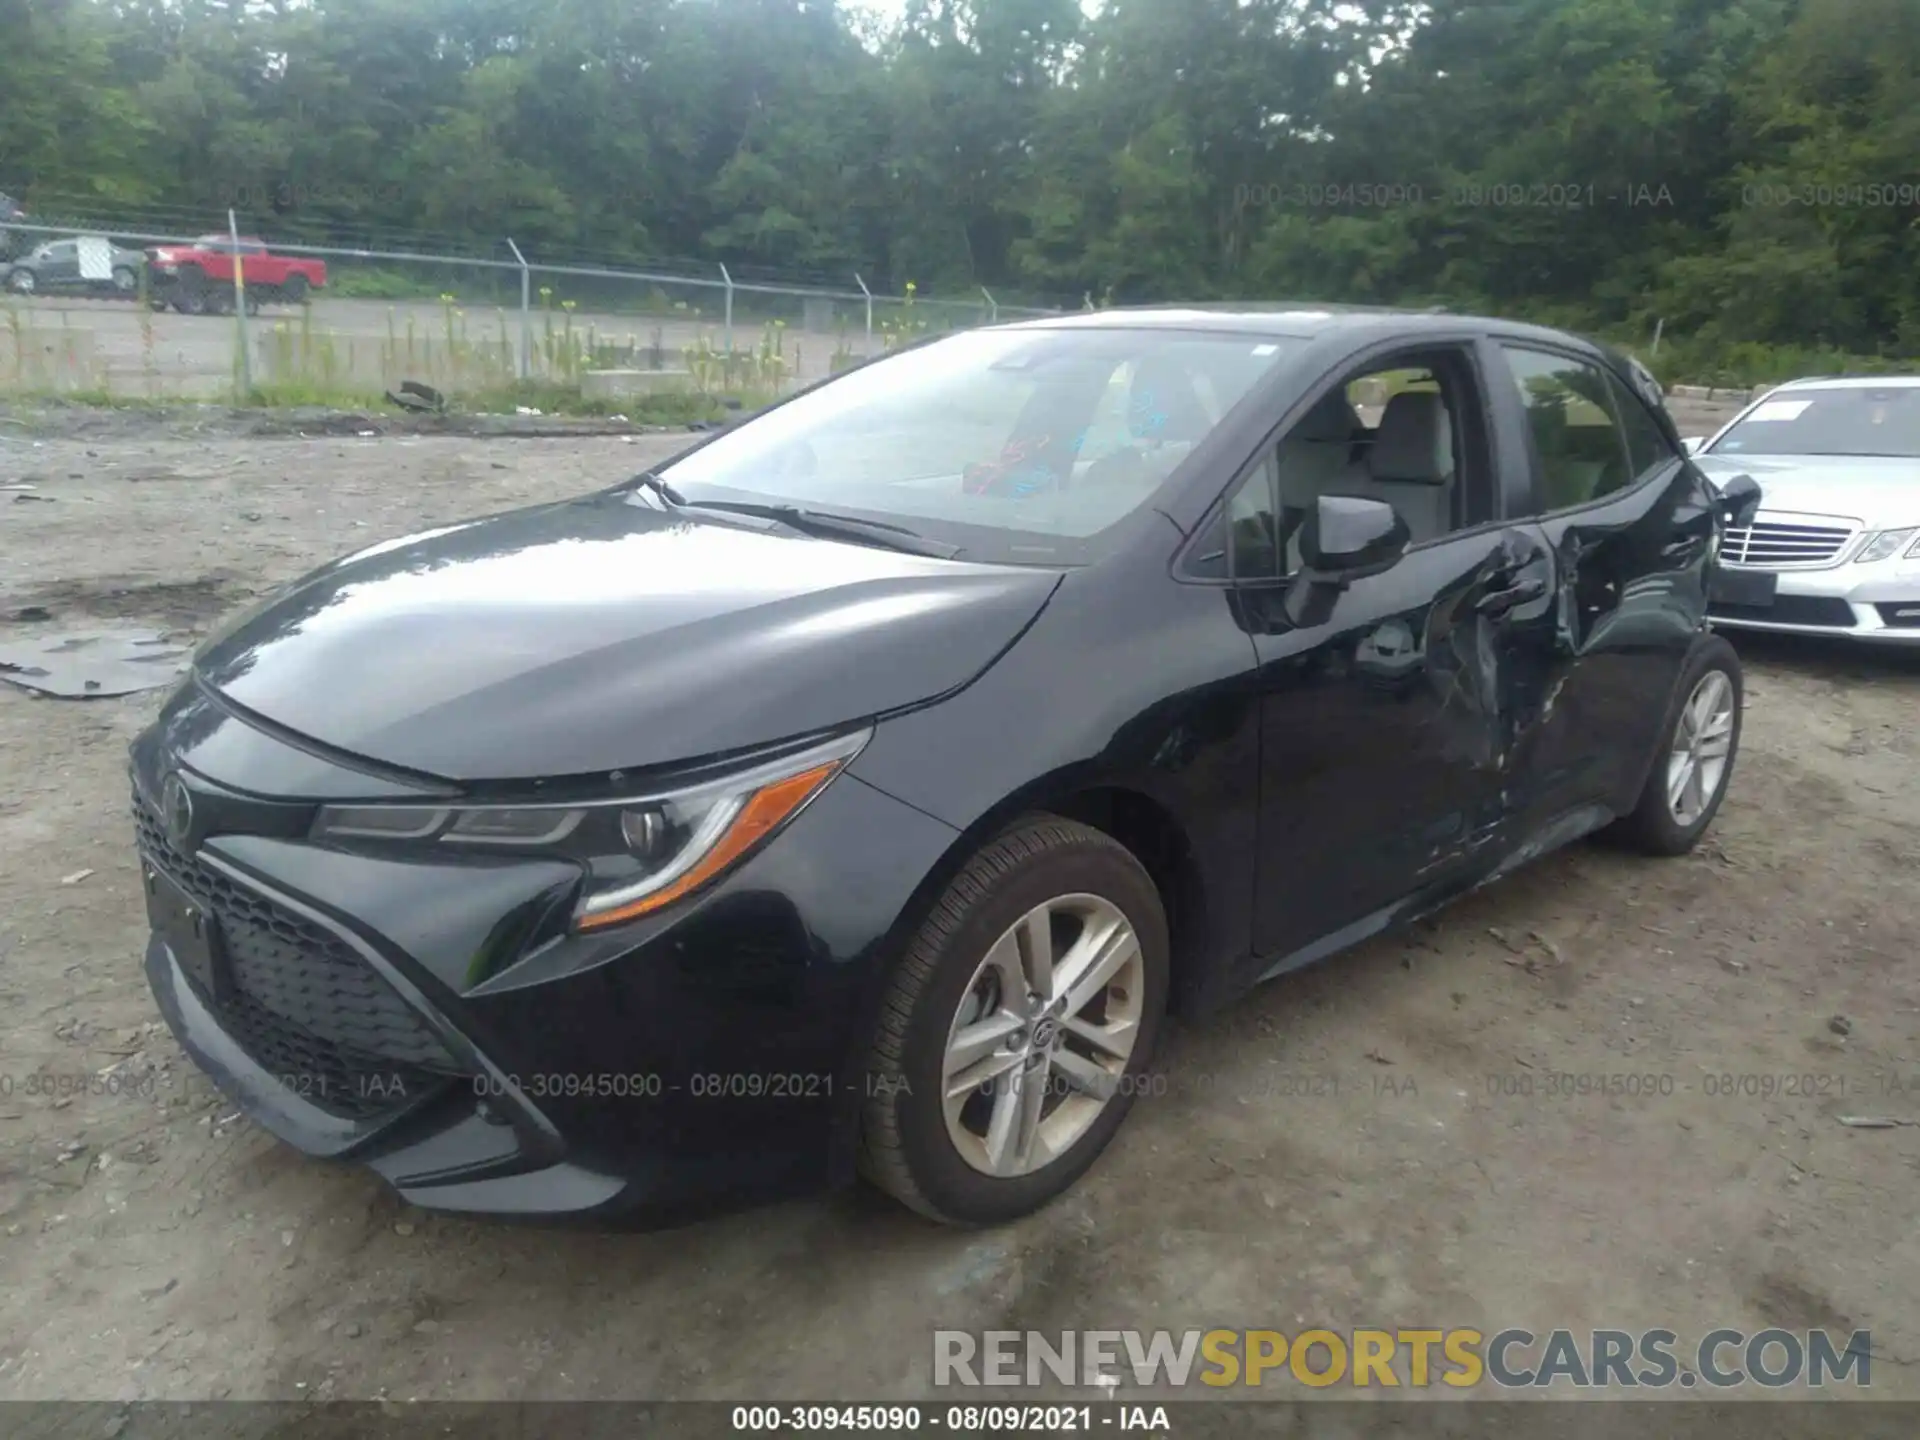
x=1887, y=542
x=642, y=853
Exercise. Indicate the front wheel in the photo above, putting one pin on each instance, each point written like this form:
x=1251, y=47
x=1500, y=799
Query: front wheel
x=1699, y=743
x=22, y=282
x=1018, y=1028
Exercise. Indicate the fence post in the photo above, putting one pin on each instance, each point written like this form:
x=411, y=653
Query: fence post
x=240, y=310
x=526, y=307
x=729, y=279
x=869, y=294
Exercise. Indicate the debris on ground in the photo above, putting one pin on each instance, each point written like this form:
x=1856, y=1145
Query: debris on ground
x=93, y=665
x=75, y=878
x=412, y=395
x=1840, y=1025
x=1875, y=1122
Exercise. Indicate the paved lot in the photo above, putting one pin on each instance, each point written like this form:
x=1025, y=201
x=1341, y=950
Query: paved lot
x=1350, y=1146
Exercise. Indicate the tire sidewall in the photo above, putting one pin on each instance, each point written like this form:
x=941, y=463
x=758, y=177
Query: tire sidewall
x=961, y=1192
x=1715, y=654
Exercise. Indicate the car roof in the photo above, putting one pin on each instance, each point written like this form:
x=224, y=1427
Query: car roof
x=1850, y=382
x=1298, y=320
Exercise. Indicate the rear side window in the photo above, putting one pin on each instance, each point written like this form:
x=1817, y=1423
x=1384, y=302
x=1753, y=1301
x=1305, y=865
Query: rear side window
x=1579, y=442
x=1647, y=448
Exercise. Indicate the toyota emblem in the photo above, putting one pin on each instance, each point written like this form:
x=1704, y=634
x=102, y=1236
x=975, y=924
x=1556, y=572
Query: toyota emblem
x=176, y=808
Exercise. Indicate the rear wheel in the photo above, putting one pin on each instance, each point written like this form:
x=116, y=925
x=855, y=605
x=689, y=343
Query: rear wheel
x=1019, y=1027
x=293, y=290
x=124, y=280
x=1700, y=742
x=190, y=291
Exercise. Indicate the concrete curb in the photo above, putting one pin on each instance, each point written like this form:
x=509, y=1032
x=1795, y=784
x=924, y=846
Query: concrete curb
x=1714, y=392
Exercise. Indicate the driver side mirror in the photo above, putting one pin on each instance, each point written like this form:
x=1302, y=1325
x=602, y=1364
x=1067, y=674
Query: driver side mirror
x=1347, y=537
x=1738, y=501
x=1344, y=539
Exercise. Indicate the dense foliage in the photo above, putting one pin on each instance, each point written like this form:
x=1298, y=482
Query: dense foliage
x=1741, y=169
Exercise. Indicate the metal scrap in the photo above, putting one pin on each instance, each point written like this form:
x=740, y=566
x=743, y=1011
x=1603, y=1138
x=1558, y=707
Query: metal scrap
x=93, y=665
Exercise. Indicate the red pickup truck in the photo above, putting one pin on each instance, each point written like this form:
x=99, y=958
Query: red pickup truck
x=197, y=279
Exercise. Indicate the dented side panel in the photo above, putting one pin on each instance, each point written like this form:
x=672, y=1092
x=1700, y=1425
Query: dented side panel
x=1630, y=599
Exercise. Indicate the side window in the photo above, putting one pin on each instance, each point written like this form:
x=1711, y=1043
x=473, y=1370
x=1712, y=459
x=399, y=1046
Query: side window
x=1242, y=539
x=1647, y=448
x=1253, y=524
x=1579, y=443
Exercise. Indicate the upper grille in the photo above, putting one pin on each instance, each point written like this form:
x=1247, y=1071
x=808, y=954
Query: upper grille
x=1773, y=544
x=304, y=998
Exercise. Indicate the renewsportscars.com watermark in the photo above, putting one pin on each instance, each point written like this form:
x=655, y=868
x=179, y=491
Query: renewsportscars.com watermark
x=1403, y=1358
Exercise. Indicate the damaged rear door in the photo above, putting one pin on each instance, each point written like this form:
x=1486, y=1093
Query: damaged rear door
x=1629, y=527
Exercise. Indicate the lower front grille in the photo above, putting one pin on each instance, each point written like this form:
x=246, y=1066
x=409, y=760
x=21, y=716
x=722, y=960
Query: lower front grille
x=1792, y=610
x=356, y=1087
x=303, y=1003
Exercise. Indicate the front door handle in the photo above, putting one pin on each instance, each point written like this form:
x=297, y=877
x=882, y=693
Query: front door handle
x=1499, y=602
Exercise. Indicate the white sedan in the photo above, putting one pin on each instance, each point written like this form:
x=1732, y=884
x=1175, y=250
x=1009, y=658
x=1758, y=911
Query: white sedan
x=1835, y=547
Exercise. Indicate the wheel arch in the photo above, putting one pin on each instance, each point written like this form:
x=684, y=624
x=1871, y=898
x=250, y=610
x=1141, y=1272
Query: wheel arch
x=1147, y=828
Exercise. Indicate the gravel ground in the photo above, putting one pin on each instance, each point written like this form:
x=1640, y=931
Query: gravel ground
x=1350, y=1146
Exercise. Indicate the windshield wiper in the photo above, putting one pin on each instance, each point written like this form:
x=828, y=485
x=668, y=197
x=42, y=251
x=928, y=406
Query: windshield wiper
x=666, y=492
x=821, y=522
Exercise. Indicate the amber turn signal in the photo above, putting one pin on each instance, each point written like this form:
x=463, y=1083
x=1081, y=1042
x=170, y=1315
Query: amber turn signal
x=769, y=807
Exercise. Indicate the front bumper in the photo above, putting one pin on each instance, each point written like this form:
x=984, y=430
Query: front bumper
x=438, y=1023
x=1878, y=603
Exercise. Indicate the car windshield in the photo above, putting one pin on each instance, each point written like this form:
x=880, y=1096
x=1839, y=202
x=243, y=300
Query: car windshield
x=1015, y=444
x=1837, y=420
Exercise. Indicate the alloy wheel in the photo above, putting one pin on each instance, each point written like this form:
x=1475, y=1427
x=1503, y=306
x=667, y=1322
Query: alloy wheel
x=1039, y=1045
x=1702, y=748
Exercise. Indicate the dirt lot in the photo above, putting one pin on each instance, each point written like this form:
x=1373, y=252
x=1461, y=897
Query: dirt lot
x=1351, y=1146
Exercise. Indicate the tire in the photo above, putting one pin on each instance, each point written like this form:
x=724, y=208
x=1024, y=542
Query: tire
x=22, y=282
x=190, y=291
x=949, y=980
x=293, y=290
x=124, y=280
x=1658, y=825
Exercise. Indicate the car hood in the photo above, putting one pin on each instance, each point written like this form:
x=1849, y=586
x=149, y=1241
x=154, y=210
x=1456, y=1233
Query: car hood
x=604, y=634
x=1876, y=491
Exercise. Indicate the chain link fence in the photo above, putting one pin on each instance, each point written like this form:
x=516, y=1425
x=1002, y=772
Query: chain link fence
x=464, y=324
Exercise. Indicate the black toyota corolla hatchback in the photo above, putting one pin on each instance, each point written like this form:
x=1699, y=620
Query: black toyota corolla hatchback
x=857, y=793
